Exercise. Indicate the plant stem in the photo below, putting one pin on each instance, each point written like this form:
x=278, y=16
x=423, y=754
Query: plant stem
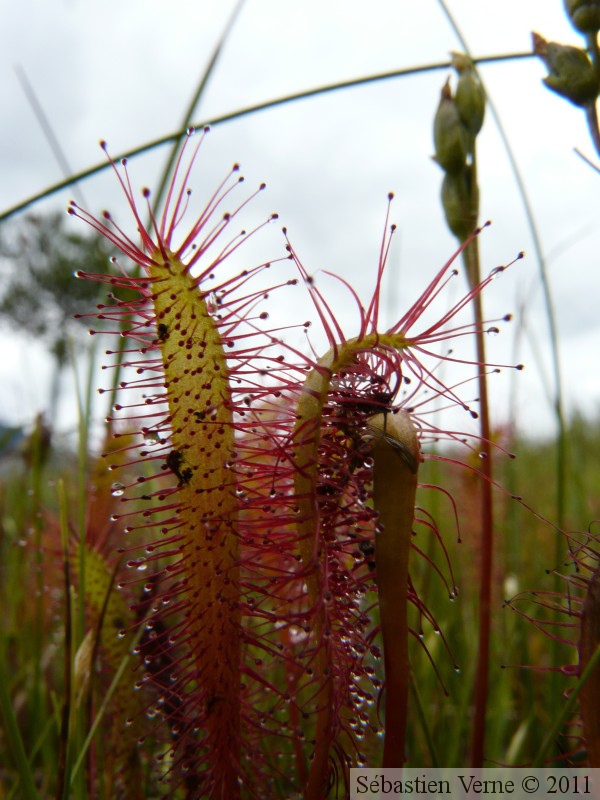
x=591, y=110
x=561, y=444
x=487, y=530
x=591, y=113
x=66, y=712
x=480, y=692
x=323, y=736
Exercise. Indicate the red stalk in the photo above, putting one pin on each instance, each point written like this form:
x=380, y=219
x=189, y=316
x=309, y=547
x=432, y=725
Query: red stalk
x=480, y=694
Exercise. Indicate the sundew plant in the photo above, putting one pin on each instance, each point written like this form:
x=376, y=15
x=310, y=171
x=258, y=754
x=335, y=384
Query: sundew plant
x=269, y=503
x=299, y=543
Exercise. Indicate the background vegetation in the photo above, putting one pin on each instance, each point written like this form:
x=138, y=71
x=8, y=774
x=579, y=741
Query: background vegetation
x=49, y=486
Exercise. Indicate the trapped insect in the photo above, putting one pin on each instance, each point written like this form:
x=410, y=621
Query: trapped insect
x=174, y=462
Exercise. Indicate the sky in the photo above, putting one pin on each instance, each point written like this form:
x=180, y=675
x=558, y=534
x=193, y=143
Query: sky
x=126, y=70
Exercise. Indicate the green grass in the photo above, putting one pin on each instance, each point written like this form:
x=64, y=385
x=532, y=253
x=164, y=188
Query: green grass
x=525, y=702
x=61, y=716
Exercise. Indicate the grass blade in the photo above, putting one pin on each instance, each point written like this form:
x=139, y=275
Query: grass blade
x=13, y=737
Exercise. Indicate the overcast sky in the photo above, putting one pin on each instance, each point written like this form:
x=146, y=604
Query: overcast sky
x=125, y=71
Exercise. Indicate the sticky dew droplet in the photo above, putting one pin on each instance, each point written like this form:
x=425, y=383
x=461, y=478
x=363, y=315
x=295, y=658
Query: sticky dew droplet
x=212, y=304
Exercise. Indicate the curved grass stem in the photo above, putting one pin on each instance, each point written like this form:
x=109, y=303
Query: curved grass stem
x=247, y=111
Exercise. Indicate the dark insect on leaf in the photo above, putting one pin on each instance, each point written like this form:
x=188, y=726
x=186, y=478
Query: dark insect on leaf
x=174, y=463
x=367, y=548
x=374, y=403
x=186, y=475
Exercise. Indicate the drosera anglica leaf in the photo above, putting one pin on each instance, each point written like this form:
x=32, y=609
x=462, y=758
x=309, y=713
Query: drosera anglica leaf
x=200, y=359
x=257, y=501
x=332, y=467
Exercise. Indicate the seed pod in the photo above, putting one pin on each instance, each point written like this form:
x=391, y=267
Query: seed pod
x=457, y=203
x=584, y=15
x=470, y=95
x=572, y=74
x=449, y=134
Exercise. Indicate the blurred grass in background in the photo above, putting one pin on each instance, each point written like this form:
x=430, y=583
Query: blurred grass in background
x=56, y=497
